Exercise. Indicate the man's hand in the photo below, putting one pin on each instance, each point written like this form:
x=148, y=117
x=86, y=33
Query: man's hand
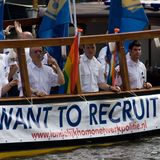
x=7, y=30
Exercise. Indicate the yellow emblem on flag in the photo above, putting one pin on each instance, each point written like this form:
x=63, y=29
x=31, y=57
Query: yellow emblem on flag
x=54, y=7
x=131, y=4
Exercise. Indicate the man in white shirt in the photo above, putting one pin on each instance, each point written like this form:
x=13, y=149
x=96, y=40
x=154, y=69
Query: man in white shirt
x=136, y=69
x=102, y=55
x=5, y=63
x=91, y=76
x=43, y=77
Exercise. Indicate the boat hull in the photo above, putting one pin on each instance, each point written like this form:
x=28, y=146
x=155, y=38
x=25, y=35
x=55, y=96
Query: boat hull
x=77, y=120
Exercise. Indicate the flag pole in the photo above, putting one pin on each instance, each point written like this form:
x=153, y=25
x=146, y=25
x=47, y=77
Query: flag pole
x=75, y=17
x=64, y=47
x=35, y=4
x=77, y=32
x=34, y=14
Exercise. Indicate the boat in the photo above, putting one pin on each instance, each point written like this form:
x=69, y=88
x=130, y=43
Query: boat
x=31, y=125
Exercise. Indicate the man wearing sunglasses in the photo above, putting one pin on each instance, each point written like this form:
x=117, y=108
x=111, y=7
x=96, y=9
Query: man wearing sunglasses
x=43, y=77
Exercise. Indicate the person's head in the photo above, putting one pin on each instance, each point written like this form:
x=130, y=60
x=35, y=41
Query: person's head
x=90, y=50
x=135, y=50
x=36, y=54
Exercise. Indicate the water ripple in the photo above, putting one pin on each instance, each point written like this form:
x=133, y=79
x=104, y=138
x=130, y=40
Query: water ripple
x=144, y=149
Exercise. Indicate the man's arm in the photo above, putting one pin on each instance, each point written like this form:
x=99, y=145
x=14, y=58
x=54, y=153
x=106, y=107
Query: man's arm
x=53, y=63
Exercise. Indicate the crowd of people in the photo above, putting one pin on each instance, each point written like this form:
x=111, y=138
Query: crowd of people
x=45, y=73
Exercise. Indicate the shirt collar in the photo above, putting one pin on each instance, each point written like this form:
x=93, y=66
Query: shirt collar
x=33, y=66
x=85, y=58
x=133, y=62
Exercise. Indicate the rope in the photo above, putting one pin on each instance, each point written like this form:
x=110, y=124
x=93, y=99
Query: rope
x=83, y=97
x=132, y=93
x=30, y=101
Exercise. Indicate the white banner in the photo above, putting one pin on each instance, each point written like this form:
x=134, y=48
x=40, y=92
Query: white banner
x=77, y=120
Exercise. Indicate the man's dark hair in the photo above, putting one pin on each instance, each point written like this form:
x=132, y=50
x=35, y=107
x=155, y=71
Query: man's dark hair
x=134, y=43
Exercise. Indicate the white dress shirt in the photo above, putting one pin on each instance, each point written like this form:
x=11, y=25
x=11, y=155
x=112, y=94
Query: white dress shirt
x=9, y=59
x=102, y=55
x=4, y=68
x=42, y=79
x=90, y=74
x=137, y=74
x=4, y=80
x=105, y=69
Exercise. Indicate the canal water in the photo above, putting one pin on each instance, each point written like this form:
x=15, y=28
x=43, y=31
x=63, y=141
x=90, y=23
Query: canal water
x=142, y=149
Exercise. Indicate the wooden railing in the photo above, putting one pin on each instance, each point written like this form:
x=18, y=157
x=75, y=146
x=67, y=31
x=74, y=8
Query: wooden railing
x=119, y=38
x=24, y=22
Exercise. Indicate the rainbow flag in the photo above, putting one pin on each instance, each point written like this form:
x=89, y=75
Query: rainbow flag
x=111, y=75
x=71, y=69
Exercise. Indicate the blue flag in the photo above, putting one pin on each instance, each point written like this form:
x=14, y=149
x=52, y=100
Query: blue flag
x=1, y=19
x=127, y=15
x=55, y=23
